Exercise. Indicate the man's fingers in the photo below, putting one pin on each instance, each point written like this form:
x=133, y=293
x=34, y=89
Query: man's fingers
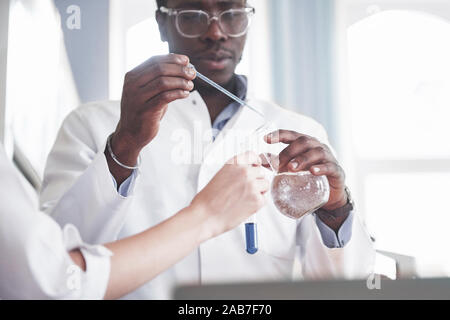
x=175, y=59
x=169, y=58
x=164, y=70
x=165, y=98
x=298, y=147
x=304, y=161
x=283, y=136
x=329, y=169
x=163, y=84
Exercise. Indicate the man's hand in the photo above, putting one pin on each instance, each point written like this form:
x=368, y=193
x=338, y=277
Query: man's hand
x=147, y=91
x=305, y=153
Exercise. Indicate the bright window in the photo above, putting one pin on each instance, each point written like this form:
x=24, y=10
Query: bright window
x=40, y=87
x=400, y=85
x=399, y=81
x=139, y=46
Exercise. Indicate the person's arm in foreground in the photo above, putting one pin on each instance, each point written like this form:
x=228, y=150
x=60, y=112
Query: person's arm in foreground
x=37, y=263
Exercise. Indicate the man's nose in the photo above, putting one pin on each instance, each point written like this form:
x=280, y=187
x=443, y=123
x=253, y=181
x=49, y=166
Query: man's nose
x=214, y=33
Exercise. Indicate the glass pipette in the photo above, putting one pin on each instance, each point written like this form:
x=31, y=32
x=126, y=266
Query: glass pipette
x=226, y=92
x=235, y=98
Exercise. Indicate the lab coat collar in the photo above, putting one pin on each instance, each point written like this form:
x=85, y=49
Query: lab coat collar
x=243, y=122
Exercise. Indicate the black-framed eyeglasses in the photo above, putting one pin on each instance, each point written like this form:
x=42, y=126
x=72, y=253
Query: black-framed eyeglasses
x=195, y=23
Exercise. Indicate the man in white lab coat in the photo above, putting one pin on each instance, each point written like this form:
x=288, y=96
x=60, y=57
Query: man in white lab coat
x=94, y=178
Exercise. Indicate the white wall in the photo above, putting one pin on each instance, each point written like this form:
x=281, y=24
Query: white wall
x=88, y=47
x=122, y=16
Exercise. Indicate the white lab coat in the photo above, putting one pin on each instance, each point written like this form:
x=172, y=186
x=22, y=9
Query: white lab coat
x=78, y=189
x=34, y=259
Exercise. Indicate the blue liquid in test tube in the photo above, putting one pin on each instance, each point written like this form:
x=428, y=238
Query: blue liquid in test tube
x=251, y=237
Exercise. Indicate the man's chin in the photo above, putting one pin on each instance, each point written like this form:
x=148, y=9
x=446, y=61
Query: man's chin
x=211, y=65
x=221, y=77
x=218, y=71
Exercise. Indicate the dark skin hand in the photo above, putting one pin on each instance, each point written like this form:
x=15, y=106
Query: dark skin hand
x=305, y=153
x=147, y=91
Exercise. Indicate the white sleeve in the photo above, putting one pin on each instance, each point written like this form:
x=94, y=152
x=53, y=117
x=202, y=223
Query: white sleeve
x=35, y=263
x=356, y=260
x=78, y=188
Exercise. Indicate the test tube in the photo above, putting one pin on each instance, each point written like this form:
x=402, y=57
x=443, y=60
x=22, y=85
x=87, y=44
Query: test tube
x=251, y=235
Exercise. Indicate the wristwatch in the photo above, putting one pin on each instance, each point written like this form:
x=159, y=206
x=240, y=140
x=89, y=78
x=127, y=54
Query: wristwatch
x=340, y=212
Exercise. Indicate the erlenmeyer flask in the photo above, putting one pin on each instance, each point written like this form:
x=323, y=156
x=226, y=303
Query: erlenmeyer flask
x=298, y=194
x=294, y=194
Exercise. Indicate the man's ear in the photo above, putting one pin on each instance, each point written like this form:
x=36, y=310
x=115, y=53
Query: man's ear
x=161, y=19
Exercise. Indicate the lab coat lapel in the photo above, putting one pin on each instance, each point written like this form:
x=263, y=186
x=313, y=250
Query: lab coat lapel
x=229, y=143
